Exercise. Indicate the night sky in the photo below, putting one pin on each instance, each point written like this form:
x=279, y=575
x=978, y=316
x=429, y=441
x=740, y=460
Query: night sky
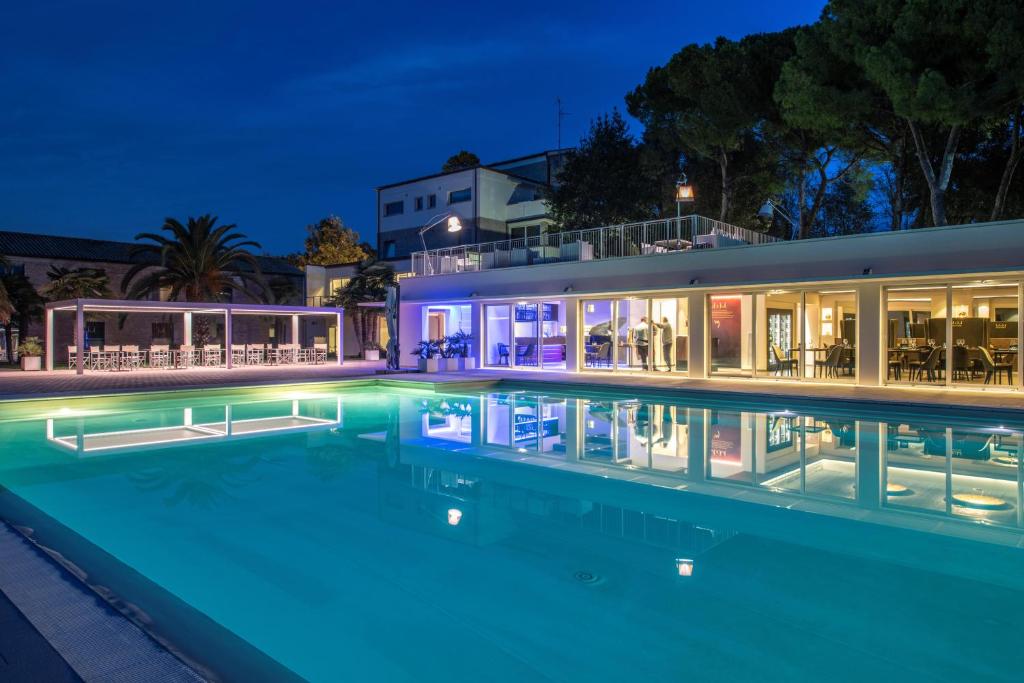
x=271, y=115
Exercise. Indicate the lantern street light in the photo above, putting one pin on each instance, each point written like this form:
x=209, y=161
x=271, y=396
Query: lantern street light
x=684, y=194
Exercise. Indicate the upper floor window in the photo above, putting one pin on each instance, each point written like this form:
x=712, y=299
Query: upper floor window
x=389, y=249
x=394, y=208
x=419, y=203
x=524, y=231
x=457, y=196
x=431, y=201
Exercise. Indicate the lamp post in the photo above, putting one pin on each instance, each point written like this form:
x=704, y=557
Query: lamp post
x=454, y=225
x=684, y=194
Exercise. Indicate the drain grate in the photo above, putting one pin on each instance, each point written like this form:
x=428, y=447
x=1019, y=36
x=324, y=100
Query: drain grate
x=584, y=576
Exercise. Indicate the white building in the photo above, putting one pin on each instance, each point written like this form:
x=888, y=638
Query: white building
x=697, y=298
x=493, y=201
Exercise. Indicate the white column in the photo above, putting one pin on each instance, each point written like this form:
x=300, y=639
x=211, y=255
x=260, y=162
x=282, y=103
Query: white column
x=227, y=338
x=872, y=333
x=295, y=329
x=49, y=339
x=340, y=337
x=572, y=335
x=698, y=339
x=186, y=335
x=79, y=339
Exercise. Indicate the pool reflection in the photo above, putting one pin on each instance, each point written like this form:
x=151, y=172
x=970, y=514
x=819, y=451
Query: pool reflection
x=965, y=473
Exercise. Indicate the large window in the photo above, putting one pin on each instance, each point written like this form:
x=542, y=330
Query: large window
x=671, y=326
x=526, y=329
x=916, y=335
x=830, y=336
x=459, y=196
x=731, y=326
x=633, y=334
x=394, y=208
x=598, y=334
x=498, y=330
x=985, y=334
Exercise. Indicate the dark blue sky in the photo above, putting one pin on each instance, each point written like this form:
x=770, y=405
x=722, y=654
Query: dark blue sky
x=271, y=115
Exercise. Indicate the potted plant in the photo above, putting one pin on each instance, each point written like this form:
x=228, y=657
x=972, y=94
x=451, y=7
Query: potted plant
x=30, y=352
x=426, y=353
x=459, y=345
x=371, y=351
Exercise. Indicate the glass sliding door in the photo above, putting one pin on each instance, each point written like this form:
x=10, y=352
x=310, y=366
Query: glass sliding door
x=553, y=335
x=829, y=349
x=730, y=331
x=670, y=326
x=985, y=328
x=778, y=335
x=916, y=335
x=634, y=335
x=498, y=335
x=526, y=335
x=598, y=334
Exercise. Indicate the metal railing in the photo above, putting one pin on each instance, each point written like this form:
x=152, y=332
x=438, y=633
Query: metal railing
x=613, y=241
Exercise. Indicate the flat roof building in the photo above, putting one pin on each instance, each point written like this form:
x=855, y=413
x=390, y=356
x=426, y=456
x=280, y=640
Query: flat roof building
x=693, y=297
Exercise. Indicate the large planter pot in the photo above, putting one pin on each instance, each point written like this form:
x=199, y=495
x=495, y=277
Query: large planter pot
x=465, y=363
x=427, y=364
x=31, y=362
x=371, y=354
x=445, y=364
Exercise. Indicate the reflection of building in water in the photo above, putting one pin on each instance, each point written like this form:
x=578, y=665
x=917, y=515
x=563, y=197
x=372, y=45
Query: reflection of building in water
x=965, y=473
x=95, y=434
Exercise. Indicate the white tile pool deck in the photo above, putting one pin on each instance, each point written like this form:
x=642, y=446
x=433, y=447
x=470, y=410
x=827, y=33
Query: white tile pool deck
x=25, y=385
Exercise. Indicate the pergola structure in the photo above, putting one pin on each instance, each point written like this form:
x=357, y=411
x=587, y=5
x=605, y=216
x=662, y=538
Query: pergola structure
x=82, y=306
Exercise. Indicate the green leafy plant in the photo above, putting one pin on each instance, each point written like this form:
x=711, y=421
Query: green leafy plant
x=30, y=346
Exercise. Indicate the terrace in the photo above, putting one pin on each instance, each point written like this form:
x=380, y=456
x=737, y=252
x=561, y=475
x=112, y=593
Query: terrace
x=610, y=242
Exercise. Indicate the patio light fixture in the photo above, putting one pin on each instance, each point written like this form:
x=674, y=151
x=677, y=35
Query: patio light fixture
x=454, y=225
x=684, y=194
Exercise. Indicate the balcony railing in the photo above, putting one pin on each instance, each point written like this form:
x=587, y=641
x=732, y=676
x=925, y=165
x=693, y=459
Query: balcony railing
x=590, y=244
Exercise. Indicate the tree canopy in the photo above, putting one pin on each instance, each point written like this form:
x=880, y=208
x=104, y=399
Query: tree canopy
x=330, y=242
x=602, y=181
x=903, y=113
x=457, y=162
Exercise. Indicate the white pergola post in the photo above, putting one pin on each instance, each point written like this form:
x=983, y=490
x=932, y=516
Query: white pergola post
x=79, y=338
x=49, y=339
x=295, y=329
x=340, y=336
x=186, y=335
x=227, y=338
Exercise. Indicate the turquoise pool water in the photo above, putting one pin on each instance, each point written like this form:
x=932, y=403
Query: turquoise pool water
x=405, y=535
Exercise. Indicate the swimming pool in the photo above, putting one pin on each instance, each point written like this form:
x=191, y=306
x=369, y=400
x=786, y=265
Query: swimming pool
x=391, y=533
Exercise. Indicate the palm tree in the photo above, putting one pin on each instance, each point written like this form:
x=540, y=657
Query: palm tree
x=370, y=284
x=76, y=283
x=24, y=304
x=201, y=260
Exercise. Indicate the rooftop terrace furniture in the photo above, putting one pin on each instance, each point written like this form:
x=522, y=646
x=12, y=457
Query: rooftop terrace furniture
x=576, y=251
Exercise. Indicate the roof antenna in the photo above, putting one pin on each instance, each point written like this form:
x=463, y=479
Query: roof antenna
x=560, y=114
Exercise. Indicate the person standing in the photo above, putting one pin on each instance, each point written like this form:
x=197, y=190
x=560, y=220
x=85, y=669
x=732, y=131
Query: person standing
x=641, y=339
x=665, y=328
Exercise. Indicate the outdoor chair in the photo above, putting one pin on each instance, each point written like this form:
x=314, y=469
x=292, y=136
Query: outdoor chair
x=73, y=357
x=255, y=354
x=132, y=358
x=782, y=361
x=319, y=354
x=159, y=356
x=995, y=370
x=237, y=354
x=211, y=355
x=109, y=358
x=187, y=356
x=302, y=355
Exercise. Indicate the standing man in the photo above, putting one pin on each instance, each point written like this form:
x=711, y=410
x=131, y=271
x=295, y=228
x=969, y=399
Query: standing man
x=641, y=338
x=666, y=343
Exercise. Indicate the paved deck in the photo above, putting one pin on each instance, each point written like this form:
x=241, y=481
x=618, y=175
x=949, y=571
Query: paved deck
x=906, y=396
x=21, y=385
x=15, y=384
